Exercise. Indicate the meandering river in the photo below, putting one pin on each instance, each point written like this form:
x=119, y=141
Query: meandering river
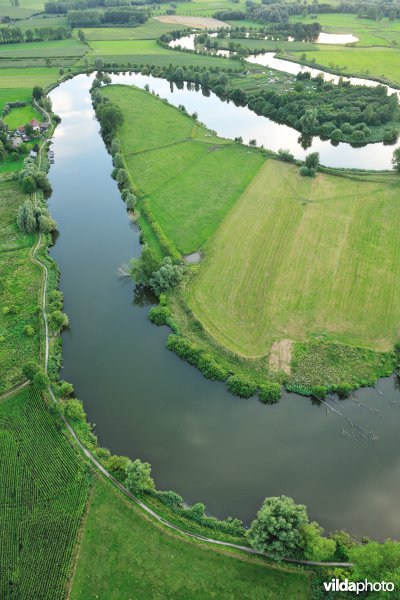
x=201, y=441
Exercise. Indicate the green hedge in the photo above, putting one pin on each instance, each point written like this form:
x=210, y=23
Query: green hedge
x=197, y=357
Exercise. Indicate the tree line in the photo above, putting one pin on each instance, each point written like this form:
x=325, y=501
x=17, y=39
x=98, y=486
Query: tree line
x=12, y=35
x=114, y=16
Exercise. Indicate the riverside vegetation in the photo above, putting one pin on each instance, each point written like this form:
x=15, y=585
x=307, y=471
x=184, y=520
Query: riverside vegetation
x=224, y=319
x=31, y=434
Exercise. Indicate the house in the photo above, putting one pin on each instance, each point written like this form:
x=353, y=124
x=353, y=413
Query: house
x=21, y=130
x=33, y=154
x=35, y=125
x=44, y=127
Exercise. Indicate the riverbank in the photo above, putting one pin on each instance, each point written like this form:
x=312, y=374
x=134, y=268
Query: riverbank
x=229, y=327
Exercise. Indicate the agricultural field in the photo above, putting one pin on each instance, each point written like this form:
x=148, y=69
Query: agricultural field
x=17, y=84
x=148, y=52
x=20, y=282
x=381, y=63
x=312, y=257
x=24, y=10
x=48, y=49
x=209, y=168
x=142, y=557
x=148, y=31
x=369, y=32
x=205, y=8
x=43, y=492
x=21, y=115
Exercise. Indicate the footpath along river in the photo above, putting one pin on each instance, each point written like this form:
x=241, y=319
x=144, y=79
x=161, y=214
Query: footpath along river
x=202, y=442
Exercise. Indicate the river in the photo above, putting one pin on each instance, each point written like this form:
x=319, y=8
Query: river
x=202, y=442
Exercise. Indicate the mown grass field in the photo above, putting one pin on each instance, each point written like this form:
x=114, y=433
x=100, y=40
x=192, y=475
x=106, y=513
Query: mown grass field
x=48, y=49
x=20, y=282
x=298, y=258
x=380, y=63
x=17, y=84
x=190, y=177
x=123, y=555
x=21, y=115
x=145, y=51
x=205, y=8
x=148, y=31
x=44, y=488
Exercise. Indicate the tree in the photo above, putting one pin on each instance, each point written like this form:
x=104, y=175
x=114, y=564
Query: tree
x=138, y=477
x=317, y=547
x=28, y=129
x=41, y=380
x=309, y=121
x=25, y=218
x=110, y=117
x=122, y=176
x=30, y=369
x=396, y=160
x=143, y=268
x=166, y=277
x=81, y=35
x=277, y=530
x=98, y=63
x=312, y=161
x=37, y=92
x=376, y=562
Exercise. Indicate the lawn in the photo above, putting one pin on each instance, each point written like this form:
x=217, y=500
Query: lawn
x=44, y=487
x=21, y=115
x=298, y=258
x=20, y=282
x=123, y=555
x=191, y=184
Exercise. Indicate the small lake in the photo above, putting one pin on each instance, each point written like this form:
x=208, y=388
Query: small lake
x=201, y=441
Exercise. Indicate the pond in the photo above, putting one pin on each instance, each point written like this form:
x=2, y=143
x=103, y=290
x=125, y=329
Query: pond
x=201, y=441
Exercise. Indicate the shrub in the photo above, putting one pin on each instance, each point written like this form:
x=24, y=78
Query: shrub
x=29, y=330
x=117, y=466
x=171, y=499
x=211, y=369
x=59, y=319
x=159, y=315
x=269, y=392
x=41, y=380
x=73, y=409
x=30, y=369
x=304, y=171
x=238, y=386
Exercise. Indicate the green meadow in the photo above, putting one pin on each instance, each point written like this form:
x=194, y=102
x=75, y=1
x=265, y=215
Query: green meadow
x=124, y=555
x=21, y=115
x=209, y=173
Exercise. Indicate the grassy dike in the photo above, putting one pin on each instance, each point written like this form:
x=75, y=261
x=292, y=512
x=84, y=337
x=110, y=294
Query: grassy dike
x=288, y=262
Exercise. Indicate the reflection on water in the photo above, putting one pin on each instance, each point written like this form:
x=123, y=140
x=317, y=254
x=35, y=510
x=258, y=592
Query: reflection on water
x=231, y=121
x=203, y=442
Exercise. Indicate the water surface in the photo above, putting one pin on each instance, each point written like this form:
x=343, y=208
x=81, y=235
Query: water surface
x=202, y=442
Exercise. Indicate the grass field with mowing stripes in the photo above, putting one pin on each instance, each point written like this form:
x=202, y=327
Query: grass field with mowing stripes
x=298, y=258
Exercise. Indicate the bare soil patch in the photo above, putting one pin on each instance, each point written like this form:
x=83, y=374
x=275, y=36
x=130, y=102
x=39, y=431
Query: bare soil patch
x=198, y=22
x=280, y=356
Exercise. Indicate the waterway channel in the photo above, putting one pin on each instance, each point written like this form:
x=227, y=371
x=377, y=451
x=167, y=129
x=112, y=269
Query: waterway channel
x=202, y=442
